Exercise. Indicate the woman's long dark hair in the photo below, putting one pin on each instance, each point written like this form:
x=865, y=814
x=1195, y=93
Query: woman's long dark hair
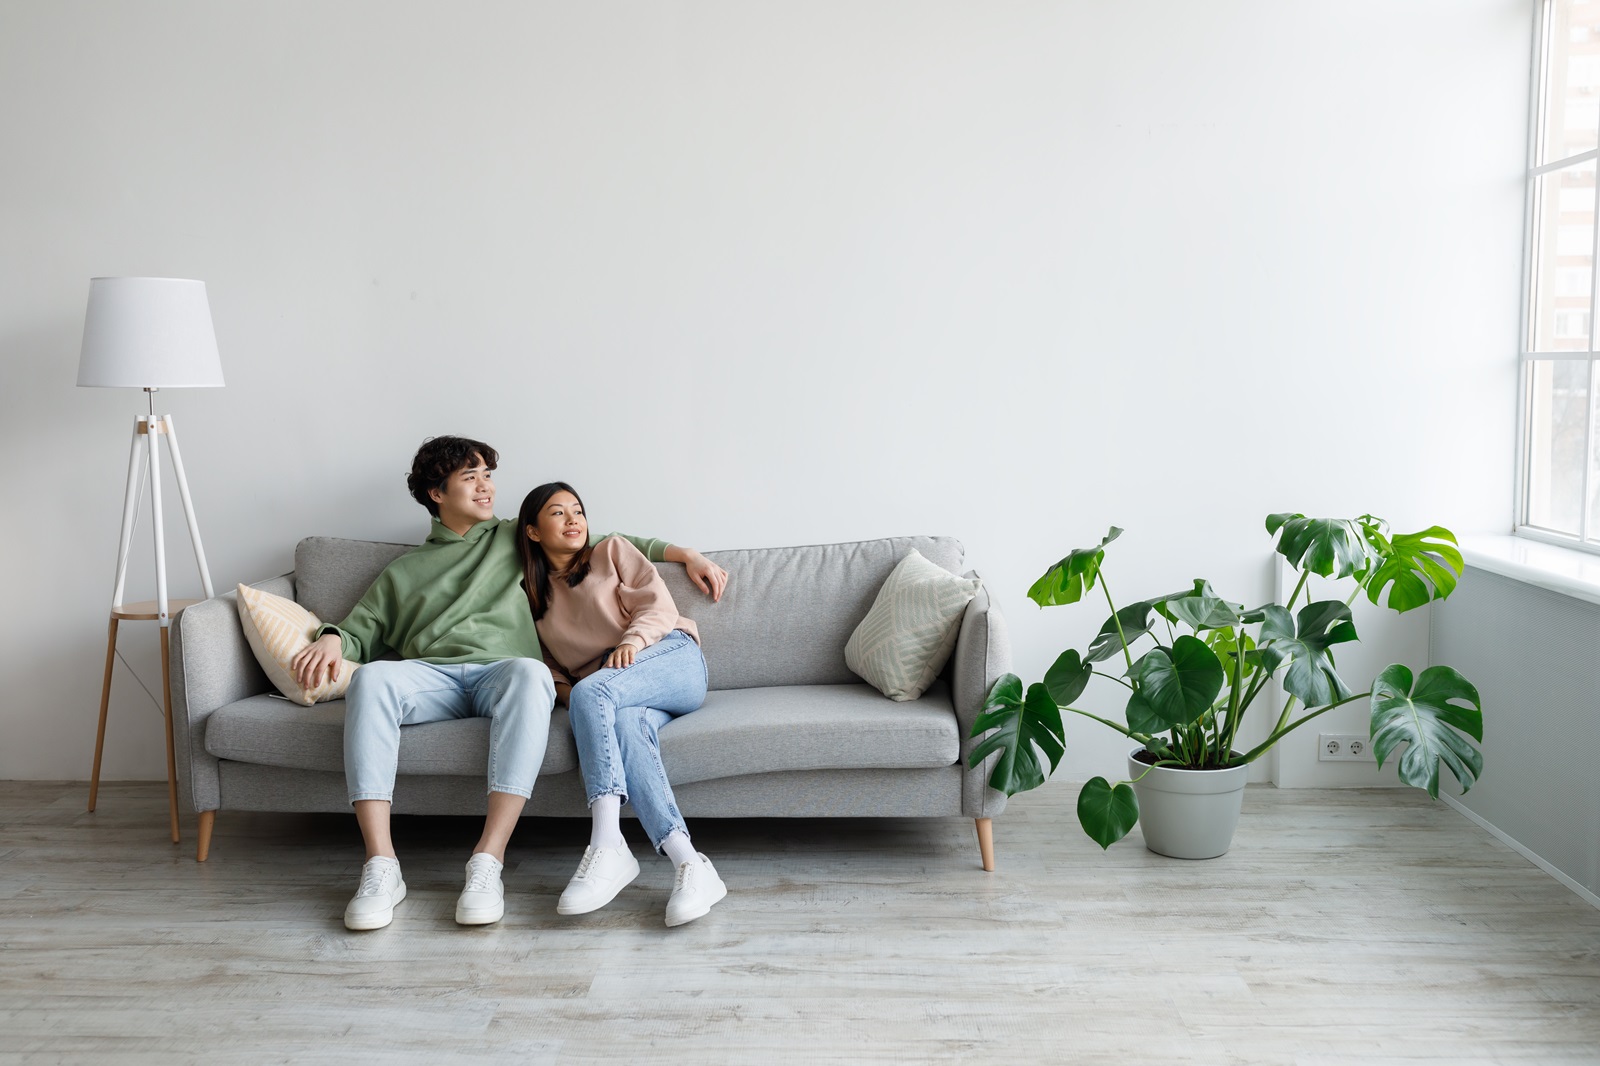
x=535, y=564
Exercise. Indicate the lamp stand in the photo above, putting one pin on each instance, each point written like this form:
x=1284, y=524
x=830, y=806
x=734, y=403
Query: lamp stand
x=144, y=465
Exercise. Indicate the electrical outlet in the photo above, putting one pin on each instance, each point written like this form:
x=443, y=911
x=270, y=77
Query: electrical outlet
x=1344, y=747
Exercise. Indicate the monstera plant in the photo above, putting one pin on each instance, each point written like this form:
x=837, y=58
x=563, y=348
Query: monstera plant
x=1190, y=667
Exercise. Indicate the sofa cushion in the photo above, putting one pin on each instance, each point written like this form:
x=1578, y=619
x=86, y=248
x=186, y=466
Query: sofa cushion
x=788, y=612
x=737, y=732
x=783, y=620
x=274, y=732
x=331, y=573
x=809, y=727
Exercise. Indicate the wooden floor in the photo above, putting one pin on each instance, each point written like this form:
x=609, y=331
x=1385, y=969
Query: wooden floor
x=1344, y=927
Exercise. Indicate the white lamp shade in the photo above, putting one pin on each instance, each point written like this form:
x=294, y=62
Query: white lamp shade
x=148, y=333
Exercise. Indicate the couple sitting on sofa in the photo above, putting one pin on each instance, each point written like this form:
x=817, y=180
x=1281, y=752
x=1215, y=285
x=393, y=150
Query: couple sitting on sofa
x=468, y=611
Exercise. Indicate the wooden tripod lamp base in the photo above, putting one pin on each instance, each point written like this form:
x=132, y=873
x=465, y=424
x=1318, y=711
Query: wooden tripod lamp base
x=146, y=611
x=143, y=466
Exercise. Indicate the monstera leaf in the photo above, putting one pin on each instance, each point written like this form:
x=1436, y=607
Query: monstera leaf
x=1427, y=719
x=1067, y=678
x=1332, y=547
x=1128, y=624
x=1417, y=568
x=1306, y=643
x=1019, y=723
x=1200, y=608
x=1106, y=813
x=1175, y=686
x=1227, y=643
x=1069, y=579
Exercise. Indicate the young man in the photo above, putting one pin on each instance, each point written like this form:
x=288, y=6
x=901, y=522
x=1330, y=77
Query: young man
x=453, y=608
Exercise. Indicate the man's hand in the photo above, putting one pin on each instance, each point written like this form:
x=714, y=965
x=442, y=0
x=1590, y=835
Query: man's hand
x=324, y=654
x=711, y=578
x=622, y=655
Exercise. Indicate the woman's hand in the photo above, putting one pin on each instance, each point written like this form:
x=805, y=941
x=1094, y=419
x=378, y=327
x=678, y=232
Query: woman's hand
x=621, y=656
x=320, y=655
x=711, y=578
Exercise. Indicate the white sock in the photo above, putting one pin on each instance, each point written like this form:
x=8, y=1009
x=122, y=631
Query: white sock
x=605, y=831
x=678, y=849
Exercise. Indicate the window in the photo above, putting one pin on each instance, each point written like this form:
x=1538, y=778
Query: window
x=1559, y=485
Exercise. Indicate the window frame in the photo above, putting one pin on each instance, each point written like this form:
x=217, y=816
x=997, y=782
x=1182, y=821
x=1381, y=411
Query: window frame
x=1586, y=539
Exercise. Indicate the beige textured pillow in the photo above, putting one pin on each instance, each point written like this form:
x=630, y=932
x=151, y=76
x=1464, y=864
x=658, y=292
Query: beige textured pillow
x=907, y=637
x=277, y=628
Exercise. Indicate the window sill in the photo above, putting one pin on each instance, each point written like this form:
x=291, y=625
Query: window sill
x=1547, y=566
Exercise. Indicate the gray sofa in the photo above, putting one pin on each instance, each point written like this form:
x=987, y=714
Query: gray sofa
x=786, y=731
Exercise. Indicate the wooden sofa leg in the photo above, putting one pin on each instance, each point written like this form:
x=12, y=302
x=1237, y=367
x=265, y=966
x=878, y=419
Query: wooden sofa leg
x=985, y=842
x=208, y=821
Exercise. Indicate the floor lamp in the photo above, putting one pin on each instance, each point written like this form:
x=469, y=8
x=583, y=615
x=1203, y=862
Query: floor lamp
x=150, y=334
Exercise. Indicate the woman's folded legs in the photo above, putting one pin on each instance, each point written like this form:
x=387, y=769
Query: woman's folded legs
x=616, y=717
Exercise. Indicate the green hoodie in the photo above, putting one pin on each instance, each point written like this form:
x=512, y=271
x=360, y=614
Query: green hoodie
x=452, y=599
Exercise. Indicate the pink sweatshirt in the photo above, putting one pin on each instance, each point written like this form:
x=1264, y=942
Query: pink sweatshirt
x=622, y=599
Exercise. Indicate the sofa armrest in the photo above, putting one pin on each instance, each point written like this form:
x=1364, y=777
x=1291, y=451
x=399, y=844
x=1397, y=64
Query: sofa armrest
x=982, y=655
x=211, y=666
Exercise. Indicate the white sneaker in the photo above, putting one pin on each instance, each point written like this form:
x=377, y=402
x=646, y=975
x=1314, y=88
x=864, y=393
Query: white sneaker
x=601, y=875
x=374, y=902
x=483, y=901
x=695, y=891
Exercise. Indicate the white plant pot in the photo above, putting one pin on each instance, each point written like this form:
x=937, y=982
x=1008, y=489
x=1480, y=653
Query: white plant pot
x=1187, y=814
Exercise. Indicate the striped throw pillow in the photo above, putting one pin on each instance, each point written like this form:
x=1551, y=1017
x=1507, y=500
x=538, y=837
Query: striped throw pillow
x=908, y=635
x=277, y=628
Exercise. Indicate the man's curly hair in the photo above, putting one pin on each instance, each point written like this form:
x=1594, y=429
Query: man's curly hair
x=438, y=458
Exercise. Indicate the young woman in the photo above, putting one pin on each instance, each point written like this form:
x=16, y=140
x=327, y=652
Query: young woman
x=626, y=663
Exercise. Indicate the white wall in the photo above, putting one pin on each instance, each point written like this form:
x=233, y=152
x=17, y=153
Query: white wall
x=758, y=274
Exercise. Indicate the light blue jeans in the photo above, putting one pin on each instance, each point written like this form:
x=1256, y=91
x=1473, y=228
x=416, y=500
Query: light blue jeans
x=516, y=695
x=615, y=715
